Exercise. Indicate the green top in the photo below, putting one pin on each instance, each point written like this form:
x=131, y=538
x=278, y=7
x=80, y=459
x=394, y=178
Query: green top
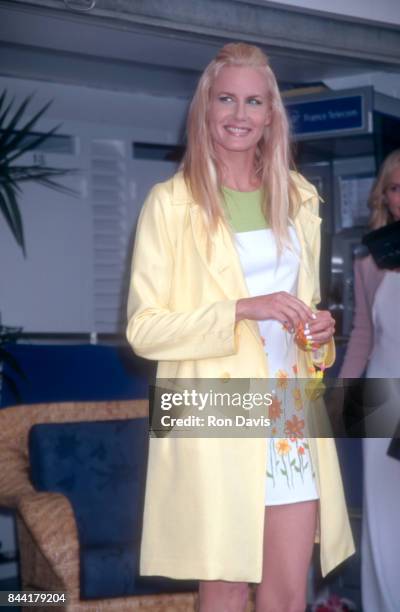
x=243, y=209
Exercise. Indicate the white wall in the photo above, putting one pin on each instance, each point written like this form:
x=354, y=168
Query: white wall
x=383, y=82
x=140, y=114
x=386, y=11
x=52, y=290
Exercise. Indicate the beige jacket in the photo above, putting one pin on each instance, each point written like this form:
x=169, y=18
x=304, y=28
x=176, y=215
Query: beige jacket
x=367, y=278
x=204, y=506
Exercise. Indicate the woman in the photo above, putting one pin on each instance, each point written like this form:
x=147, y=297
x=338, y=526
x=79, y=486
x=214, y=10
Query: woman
x=195, y=306
x=374, y=347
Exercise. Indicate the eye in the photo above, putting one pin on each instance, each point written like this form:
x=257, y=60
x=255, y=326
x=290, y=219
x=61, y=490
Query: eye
x=394, y=188
x=225, y=98
x=254, y=101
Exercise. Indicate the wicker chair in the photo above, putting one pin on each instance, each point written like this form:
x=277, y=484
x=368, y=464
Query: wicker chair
x=47, y=531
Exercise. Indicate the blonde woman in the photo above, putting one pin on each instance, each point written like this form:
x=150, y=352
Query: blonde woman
x=384, y=203
x=225, y=268
x=374, y=348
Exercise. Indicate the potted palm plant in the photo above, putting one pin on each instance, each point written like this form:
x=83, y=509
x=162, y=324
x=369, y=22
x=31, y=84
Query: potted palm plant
x=18, y=136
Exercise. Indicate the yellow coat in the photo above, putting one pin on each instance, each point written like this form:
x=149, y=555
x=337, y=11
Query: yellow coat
x=204, y=505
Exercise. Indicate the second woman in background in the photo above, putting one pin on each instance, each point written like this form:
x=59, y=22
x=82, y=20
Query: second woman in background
x=374, y=349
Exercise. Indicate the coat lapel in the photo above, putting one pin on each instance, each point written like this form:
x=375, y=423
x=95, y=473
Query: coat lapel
x=224, y=263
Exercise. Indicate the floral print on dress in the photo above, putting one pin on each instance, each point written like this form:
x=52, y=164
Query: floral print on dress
x=289, y=457
x=282, y=379
x=297, y=398
x=294, y=427
x=275, y=410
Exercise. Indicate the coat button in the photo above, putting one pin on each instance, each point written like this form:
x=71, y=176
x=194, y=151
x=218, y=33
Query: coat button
x=225, y=376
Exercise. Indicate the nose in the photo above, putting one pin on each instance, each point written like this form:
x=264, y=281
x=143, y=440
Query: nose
x=240, y=110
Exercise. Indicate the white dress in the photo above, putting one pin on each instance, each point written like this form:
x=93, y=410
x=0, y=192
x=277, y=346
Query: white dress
x=289, y=472
x=380, y=545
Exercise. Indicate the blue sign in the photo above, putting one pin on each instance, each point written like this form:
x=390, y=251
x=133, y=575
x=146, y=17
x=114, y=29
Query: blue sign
x=326, y=116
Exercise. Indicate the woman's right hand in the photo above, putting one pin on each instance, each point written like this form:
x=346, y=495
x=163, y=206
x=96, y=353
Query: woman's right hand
x=280, y=306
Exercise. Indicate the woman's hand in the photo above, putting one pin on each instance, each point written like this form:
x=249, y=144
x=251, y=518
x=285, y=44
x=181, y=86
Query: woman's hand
x=280, y=306
x=321, y=328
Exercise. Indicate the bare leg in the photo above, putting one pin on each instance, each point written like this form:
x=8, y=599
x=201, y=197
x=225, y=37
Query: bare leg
x=221, y=596
x=289, y=532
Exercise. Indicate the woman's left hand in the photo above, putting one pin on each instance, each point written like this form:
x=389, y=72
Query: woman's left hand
x=322, y=328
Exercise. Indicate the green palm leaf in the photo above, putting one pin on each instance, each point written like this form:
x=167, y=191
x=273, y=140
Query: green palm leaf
x=21, y=174
x=11, y=127
x=2, y=98
x=5, y=209
x=12, y=385
x=32, y=144
x=5, y=113
x=9, y=359
x=13, y=135
x=10, y=209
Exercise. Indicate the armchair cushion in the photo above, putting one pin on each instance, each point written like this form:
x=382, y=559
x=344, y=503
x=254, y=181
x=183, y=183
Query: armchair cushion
x=100, y=466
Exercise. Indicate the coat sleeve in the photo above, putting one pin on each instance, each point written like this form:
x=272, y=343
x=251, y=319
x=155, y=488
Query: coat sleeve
x=361, y=337
x=155, y=330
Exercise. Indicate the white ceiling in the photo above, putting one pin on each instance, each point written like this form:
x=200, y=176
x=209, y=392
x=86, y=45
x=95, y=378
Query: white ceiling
x=66, y=48
x=384, y=11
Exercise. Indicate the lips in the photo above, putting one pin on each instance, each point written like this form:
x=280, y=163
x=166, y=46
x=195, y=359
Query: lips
x=237, y=131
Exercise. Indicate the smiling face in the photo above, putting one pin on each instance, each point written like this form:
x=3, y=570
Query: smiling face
x=392, y=193
x=239, y=109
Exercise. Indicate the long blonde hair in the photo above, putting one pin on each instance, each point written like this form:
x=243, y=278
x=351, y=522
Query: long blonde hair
x=272, y=160
x=380, y=213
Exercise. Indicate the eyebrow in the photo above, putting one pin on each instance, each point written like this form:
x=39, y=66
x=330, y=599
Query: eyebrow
x=227, y=93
